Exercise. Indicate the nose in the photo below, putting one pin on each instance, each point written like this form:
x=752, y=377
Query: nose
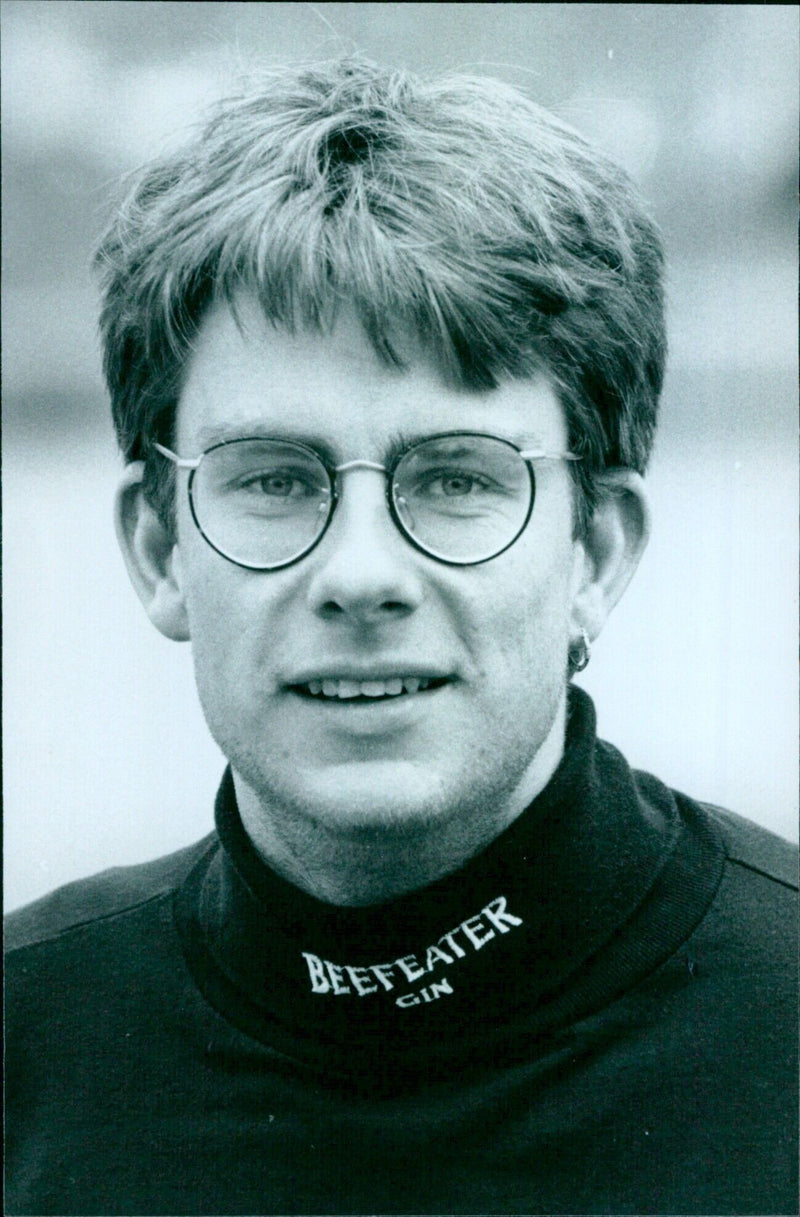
x=364, y=570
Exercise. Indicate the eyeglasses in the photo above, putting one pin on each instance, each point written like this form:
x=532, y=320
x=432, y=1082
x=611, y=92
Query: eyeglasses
x=460, y=497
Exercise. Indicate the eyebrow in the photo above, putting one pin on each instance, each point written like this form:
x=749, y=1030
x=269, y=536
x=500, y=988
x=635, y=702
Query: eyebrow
x=406, y=439
x=398, y=441
x=226, y=433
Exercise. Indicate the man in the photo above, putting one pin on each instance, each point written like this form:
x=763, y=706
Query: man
x=384, y=359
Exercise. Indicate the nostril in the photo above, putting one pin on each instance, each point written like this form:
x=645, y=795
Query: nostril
x=331, y=608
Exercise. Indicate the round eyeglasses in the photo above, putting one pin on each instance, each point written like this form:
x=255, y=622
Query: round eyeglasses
x=461, y=497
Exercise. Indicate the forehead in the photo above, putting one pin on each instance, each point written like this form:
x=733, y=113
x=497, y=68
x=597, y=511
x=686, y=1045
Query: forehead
x=247, y=377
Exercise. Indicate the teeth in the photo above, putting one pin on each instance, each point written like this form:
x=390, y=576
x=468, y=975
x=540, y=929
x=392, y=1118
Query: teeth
x=391, y=687
x=348, y=688
x=373, y=688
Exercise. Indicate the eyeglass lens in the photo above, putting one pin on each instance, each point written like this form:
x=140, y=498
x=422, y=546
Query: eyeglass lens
x=462, y=498
x=264, y=503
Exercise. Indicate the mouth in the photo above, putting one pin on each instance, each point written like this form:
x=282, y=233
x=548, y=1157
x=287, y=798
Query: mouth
x=329, y=689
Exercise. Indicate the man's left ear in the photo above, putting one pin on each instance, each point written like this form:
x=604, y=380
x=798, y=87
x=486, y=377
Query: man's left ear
x=614, y=541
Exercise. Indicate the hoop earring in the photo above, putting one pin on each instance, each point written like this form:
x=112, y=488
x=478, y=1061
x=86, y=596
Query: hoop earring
x=580, y=653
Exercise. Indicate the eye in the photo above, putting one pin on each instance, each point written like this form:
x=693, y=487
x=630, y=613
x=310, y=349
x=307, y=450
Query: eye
x=279, y=484
x=453, y=483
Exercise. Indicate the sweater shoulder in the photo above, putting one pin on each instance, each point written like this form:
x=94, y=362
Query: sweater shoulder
x=742, y=842
x=755, y=848
x=108, y=894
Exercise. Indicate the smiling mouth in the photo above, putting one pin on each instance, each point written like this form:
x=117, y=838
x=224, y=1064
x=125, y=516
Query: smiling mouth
x=363, y=691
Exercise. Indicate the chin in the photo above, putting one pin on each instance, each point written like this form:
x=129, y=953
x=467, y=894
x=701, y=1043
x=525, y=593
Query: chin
x=358, y=797
x=390, y=796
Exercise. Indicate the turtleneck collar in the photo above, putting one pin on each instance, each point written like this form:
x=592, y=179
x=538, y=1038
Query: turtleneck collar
x=481, y=956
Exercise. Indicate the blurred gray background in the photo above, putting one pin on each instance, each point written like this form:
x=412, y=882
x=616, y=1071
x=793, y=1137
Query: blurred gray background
x=107, y=760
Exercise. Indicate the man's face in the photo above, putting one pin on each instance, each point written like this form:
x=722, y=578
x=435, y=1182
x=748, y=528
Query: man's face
x=366, y=605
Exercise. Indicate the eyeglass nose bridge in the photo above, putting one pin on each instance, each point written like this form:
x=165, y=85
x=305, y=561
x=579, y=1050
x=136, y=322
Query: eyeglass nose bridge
x=360, y=465
x=372, y=467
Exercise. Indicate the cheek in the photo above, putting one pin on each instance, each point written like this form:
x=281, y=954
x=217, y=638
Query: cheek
x=218, y=648
x=531, y=601
x=531, y=631
x=228, y=623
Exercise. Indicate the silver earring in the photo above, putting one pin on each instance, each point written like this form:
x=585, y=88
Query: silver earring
x=580, y=653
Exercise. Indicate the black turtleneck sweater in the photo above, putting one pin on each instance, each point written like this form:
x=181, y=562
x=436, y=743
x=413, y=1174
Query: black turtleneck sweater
x=595, y=1015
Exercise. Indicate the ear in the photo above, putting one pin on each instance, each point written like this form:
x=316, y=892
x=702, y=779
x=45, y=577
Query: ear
x=151, y=556
x=615, y=540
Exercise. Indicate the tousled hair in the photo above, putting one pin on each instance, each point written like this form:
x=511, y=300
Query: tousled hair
x=456, y=208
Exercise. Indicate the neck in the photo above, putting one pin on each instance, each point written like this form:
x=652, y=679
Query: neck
x=382, y=861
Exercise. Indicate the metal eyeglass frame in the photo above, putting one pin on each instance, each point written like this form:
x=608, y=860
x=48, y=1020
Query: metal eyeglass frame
x=529, y=457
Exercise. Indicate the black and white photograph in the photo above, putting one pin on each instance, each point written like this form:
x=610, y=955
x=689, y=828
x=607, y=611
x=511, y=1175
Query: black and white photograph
x=400, y=589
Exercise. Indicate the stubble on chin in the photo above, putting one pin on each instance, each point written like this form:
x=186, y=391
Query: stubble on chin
x=403, y=802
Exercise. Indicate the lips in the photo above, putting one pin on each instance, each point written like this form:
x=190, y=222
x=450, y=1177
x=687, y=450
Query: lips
x=328, y=688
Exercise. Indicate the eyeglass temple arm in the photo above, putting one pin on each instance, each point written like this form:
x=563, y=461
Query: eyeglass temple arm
x=183, y=462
